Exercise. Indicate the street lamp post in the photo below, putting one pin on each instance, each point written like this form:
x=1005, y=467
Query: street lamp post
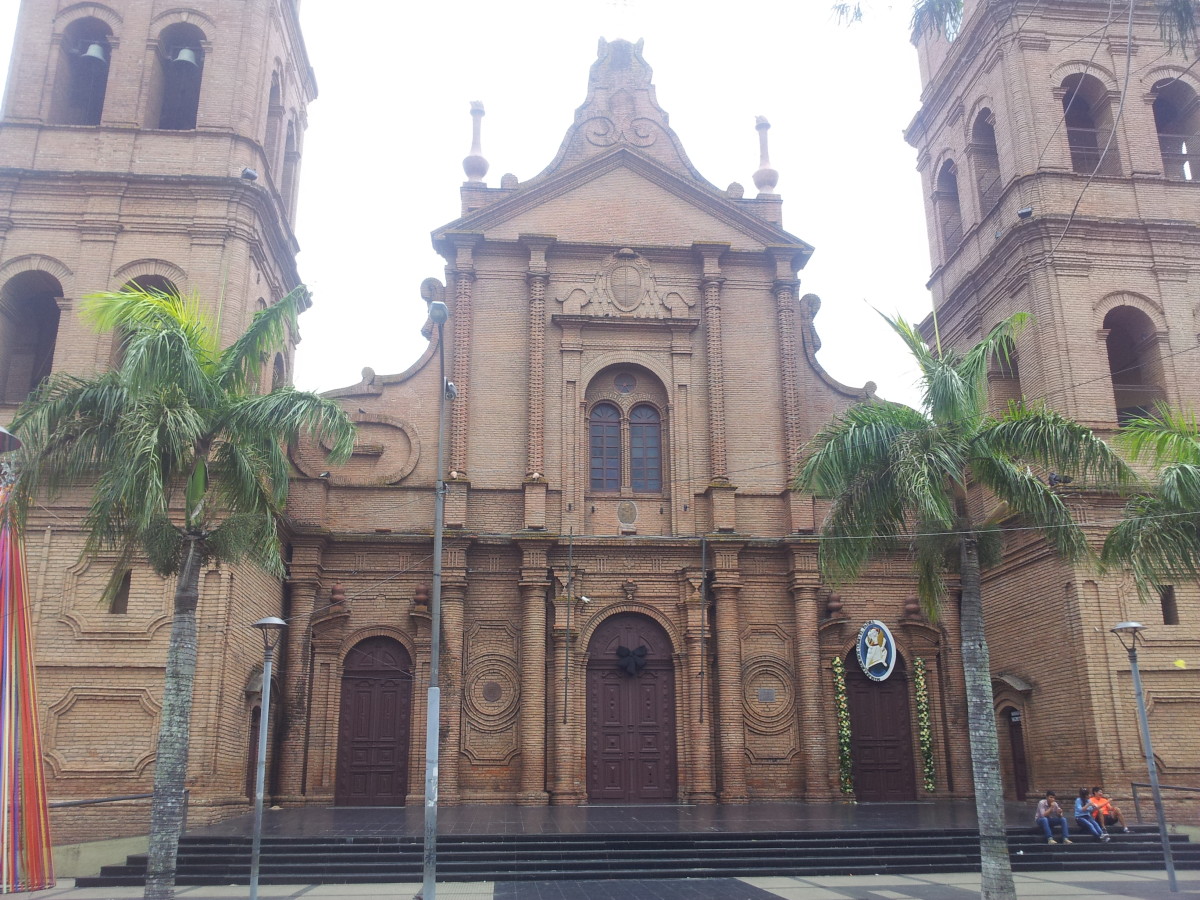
x=1128, y=633
x=271, y=628
x=439, y=313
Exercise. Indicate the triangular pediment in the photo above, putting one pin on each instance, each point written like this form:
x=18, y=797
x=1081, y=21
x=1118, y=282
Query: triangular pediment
x=624, y=198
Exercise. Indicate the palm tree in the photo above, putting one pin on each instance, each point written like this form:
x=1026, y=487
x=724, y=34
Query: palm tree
x=1158, y=539
x=185, y=462
x=901, y=480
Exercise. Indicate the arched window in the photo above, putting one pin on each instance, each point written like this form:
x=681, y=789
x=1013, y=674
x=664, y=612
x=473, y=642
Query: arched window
x=986, y=159
x=180, y=72
x=157, y=283
x=1177, y=119
x=291, y=163
x=279, y=372
x=1133, y=362
x=274, y=122
x=645, y=449
x=949, y=213
x=604, y=430
x=1089, y=125
x=82, y=77
x=28, y=333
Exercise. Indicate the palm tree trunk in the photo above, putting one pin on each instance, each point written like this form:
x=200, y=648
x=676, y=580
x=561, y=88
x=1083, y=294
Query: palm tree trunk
x=995, y=867
x=171, y=759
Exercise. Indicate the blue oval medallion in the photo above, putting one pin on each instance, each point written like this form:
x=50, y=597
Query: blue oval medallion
x=876, y=650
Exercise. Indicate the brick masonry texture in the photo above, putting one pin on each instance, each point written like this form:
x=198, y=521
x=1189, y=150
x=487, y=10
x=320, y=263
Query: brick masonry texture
x=617, y=276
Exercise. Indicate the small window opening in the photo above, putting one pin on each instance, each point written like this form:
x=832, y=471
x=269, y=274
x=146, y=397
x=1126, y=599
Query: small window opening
x=278, y=372
x=986, y=158
x=82, y=78
x=1170, y=609
x=1177, y=119
x=119, y=605
x=949, y=213
x=1089, y=125
x=1133, y=362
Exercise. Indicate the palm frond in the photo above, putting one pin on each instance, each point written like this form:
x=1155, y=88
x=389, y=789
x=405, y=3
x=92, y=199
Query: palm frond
x=1177, y=24
x=286, y=413
x=243, y=360
x=1157, y=541
x=1168, y=436
x=941, y=16
x=1029, y=497
x=1042, y=437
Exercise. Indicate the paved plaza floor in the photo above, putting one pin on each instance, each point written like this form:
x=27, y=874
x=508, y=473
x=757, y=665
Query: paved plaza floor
x=1034, y=886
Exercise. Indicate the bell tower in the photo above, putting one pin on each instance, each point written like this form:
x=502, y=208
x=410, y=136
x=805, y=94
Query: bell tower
x=149, y=145
x=157, y=145
x=1059, y=147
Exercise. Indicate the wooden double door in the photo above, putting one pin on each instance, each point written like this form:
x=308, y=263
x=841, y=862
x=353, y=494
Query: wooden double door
x=880, y=735
x=631, y=756
x=374, y=725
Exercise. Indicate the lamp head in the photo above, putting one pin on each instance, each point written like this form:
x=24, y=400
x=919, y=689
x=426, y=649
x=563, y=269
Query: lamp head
x=1025, y=212
x=1127, y=633
x=439, y=312
x=271, y=628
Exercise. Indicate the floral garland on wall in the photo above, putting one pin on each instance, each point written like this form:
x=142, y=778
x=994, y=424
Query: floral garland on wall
x=924, y=729
x=845, y=768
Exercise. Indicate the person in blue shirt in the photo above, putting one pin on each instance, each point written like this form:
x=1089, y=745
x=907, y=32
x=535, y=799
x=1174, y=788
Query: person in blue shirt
x=1083, y=814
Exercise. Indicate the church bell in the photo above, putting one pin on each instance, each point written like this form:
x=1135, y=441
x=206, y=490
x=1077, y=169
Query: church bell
x=185, y=57
x=95, y=54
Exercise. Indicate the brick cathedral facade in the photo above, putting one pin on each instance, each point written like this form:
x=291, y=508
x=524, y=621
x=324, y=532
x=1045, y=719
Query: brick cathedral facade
x=631, y=606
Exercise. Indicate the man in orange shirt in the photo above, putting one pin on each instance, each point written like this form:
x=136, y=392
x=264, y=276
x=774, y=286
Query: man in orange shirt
x=1106, y=811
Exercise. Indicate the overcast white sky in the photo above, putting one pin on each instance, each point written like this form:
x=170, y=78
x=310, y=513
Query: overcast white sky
x=383, y=152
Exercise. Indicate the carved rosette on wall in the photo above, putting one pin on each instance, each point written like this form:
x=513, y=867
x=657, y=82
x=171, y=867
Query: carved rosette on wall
x=491, y=695
x=768, y=696
x=625, y=288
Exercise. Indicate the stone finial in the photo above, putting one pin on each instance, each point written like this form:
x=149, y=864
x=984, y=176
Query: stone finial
x=475, y=165
x=421, y=596
x=337, y=595
x=833, y=608
x=765, y=178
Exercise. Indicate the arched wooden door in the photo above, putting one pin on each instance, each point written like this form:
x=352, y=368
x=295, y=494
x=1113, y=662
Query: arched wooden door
x=1016, y=749
x=373, y=725
x=631, y=754
x=880, y=735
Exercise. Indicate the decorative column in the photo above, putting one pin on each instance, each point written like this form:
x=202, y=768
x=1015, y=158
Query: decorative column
x=721, y=492
x=534, y=586
x=730, y=717
x=460, y=321
x=567, y=776
x=812, y=706
x=295, y=689
x=535, y=428
x=702, y=764
x=454, y=593
x=785, y=286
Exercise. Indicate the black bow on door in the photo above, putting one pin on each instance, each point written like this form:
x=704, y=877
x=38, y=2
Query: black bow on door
x=631, y=661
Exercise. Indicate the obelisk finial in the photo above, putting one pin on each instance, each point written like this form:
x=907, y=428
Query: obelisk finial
x=765, y=178
x=475, y=165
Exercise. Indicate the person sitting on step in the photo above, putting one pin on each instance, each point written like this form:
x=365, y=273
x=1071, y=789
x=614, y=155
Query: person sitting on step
x=1106, y=813
x=1083, y=815
x=1049, y=815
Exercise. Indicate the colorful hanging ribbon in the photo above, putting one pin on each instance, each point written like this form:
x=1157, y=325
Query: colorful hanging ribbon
x=25, y=857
